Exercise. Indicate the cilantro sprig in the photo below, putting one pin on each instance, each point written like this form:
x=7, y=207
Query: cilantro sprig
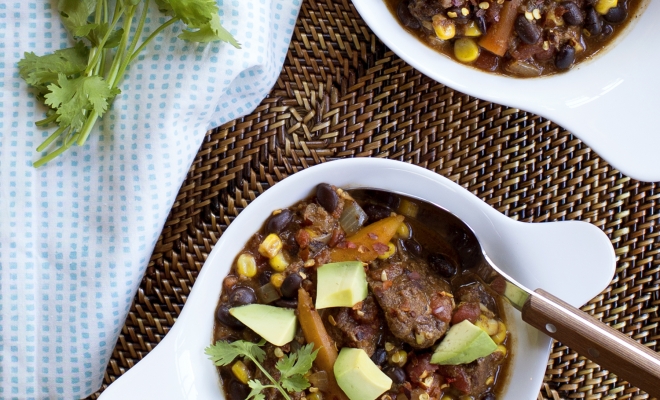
x=292, y=367
x=79, y=83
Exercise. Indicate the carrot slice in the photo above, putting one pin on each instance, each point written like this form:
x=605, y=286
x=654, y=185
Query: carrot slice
x=496, y=40
x=315, y=332
x=370, y=241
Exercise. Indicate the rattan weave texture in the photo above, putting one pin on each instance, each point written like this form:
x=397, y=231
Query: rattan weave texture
x=343, y=94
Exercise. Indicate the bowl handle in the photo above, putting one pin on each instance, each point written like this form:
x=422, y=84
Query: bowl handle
x=157, y=376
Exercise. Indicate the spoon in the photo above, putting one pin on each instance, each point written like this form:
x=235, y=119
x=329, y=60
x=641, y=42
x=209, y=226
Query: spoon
x=588, y=336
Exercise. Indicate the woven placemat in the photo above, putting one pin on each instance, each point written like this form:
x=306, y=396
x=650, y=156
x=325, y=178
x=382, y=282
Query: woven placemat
x=343, y=94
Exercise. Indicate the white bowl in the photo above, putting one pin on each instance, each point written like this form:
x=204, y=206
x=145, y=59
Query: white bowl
x=611, y=102
x=573, y=260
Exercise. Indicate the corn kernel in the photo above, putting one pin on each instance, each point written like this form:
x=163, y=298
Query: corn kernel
x=499, y=337
x=277, y=279
x=315, y=396
x=445, y=29
x=403, y=231
x=472, y=30
x=484, y=5
x=500, y=348
x=278, y=352
x=399, y=358
x=279, y=262
x=490, y=380
x=488, y=325
x=389, y=346
x=271, y=245
x=408, y=208
x=246, y=266
x=603, y=6
x=391, y=249
x=240, y=371
x=466, y=50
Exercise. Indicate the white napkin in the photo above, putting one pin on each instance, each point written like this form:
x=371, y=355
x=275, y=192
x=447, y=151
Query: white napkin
x=76, y=234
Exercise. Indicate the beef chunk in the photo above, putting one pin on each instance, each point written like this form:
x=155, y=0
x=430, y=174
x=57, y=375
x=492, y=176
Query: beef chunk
x=357, y=327
x=476, y=293
x=405, y=291
x=424, y=10
x=471, y=378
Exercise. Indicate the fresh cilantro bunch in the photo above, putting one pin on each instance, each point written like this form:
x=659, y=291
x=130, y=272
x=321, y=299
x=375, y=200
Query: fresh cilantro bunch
x=292, y=367
x=79, y=83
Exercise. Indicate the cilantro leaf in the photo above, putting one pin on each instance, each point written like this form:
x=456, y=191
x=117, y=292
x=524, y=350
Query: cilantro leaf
x=290, y=366
x=73, y=98
x=75, y=15
x=295, y=383
x=97, y=34
x=194, y=13
x=39, y=71
x=223, y=352
x=210, y=32
x=257, y=388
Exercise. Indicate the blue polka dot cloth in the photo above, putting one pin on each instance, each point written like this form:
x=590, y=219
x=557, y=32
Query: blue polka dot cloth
x=76, y=234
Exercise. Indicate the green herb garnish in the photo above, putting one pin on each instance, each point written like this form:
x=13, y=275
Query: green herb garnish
x=78, y=84
x=292, y=367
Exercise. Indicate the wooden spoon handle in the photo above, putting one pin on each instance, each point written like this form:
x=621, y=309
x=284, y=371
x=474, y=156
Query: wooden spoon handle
x=593, y=339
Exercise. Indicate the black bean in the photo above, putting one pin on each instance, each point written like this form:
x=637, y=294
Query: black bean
x=376, y=212
x=406, y=17
x=565, y=57
x=278, y=222
x=238, y=391
x=222, y=315
x=527, y=31
x=573, y=14
x=290, y=286
x=287, y=303
x=396, y=374
x=616, y=14
x=264, y=277
x=379, y=357
x=593, y=23
x=327, y=197
x=607, y=30
x=481, y=24
x=413, y=247
x=439, y=263
x=242, y=296
x=291, y=245
x=488, y=396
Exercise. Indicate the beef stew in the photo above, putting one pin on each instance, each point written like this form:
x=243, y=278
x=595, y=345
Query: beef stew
x=412, y=293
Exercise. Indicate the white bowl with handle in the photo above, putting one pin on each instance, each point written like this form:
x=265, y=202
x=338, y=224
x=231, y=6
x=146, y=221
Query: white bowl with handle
x=609, y=102
x=573, y=260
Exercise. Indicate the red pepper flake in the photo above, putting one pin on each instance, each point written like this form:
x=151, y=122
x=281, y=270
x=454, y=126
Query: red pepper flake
x=380, y=248
x=344, y=244
x=414, y=275
x=387, y=285
x=372, y=236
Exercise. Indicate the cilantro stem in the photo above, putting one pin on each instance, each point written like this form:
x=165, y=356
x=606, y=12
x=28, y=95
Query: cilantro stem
x=136, y=38
x=47, y=120
x=55, y=153
x=95, y=53
x=153, y=35
x=50, y=138
x=277, y=385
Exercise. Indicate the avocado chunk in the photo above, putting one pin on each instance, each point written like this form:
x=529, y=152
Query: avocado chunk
x=276, y=325
x=463, y=343
x=341, y=284
x=358, y=376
